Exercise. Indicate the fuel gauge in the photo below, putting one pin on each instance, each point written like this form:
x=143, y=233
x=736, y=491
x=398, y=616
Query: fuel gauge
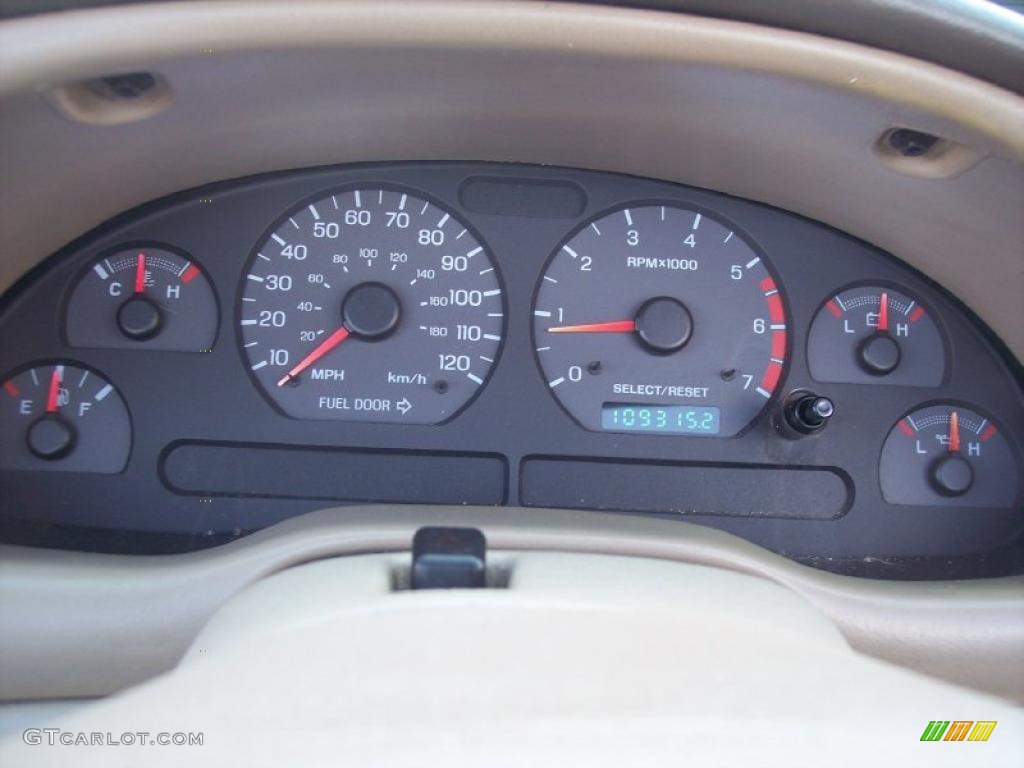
x=951, y=455
x=143, y=297
x=65, y=417
x=875, y=335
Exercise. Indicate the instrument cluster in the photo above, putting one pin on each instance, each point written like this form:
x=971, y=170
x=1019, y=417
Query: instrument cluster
x=215, y=362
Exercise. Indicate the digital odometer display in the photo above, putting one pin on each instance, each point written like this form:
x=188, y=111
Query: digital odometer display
x=668, y=419
x=371, y=304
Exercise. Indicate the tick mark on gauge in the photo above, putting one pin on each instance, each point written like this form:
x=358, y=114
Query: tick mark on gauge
x=474, y=378
x=261, y=364
x=570, y=251
x=485, y=271
x=556, y=382
x=277, y=239
x=475, y=251
x=492, y=337
x=313, y=210
x=443, y=221
x=294, y=223
x=593, y=226
x=494, y=292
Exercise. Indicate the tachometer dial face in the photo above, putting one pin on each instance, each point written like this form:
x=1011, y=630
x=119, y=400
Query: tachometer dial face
x=660, y=319
x=371, y=304
x=62, y=417
x=875, y=335
x=143, y=297
x=948, y=455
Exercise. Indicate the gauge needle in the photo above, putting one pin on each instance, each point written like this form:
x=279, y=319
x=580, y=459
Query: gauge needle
x=954, y=432
x=140, y=273
x=322, y=349
x=615, y=326
x=883, y=313
x=54, y=394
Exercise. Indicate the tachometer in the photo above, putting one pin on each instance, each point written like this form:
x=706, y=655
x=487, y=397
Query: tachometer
x=371, y=304
x=660, y=319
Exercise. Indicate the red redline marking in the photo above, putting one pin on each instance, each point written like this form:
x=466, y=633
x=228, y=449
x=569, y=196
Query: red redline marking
x=768, y=284
x=917, y=314
x=190, y=274
x=989, y=433
x=905, y=428
x=832, y=307
x=12, y=389
x=771, y=377
x=779, y=345
x=775, y=310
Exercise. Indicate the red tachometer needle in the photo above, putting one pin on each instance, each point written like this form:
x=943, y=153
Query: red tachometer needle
x=954, y=432
x=140, y=273
x=615, y=326
x=54, y=394
x=883, y=313
x=322, y=349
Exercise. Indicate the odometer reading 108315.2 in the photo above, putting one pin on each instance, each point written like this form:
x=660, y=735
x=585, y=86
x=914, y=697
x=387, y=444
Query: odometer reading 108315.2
x=371, y=304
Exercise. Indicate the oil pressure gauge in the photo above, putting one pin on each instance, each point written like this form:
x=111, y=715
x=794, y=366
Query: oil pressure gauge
x=875, y=335
x=150, y=297
x=948, y=454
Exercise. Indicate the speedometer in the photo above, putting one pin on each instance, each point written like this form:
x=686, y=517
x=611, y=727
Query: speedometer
x=371, y=304
x=660, y=319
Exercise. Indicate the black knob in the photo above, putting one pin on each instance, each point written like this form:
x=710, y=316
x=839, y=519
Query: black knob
x=371, y=310
x=139, y=318
x=879, y=354
x=50, y=437
x=664, y=325
x=808, y=412
x=952, y=475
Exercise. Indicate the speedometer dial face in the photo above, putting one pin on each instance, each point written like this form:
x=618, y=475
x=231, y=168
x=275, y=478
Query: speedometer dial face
x=661, y=320
x=371, y=304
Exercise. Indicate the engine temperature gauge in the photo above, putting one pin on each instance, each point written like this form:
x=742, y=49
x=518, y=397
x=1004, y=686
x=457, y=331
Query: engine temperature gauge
x=876, y=335
x=62, y=416
x=143, y=297
x=948, y=455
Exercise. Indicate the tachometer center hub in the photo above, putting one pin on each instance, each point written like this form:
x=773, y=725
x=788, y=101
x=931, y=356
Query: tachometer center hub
x=371, y=310
x=664, y=325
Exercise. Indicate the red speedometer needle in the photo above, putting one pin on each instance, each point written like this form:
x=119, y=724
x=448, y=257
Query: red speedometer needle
x=140, y=273
x=322, y=349
x=54, y=393
x=954, y=432
x=615, y=326
x=883, y=313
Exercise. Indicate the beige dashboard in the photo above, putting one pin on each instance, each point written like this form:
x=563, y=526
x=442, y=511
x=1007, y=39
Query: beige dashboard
x=784, y=118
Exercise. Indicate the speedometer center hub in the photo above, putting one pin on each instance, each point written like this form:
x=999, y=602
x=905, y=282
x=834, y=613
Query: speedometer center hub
x=664, y=325
x=371, y=310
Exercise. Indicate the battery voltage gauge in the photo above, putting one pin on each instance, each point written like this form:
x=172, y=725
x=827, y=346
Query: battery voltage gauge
x=948, y=455
x=875, y=335
x=144, y=297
